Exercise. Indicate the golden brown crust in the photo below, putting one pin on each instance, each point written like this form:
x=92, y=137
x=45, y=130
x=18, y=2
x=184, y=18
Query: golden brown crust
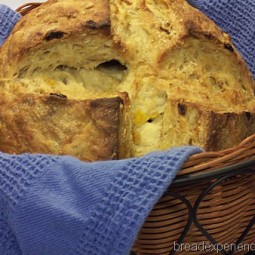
x=166, y=24
x=54, y=20
x=87, y=129
x=195, y=124
x=226, y=130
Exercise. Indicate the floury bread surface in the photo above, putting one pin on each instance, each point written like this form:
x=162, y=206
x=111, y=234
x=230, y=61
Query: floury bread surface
x=186, y=82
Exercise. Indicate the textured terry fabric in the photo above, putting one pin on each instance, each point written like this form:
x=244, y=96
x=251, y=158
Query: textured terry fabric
x=61, y=206
x=17, y=174
x=8, y=19
x=237, y=18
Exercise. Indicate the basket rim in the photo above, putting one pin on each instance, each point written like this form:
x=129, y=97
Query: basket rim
x=204, y=164
x=27, y=7
x=217, y=173
x=213, y=161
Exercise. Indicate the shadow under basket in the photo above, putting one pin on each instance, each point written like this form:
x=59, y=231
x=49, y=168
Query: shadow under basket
x=209, y=208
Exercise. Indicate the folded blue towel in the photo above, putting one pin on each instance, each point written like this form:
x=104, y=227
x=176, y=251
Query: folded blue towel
x=52, y=205
x=8, y=19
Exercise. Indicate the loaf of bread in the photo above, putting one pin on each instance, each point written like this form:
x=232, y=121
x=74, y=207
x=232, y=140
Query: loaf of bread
x=68, y=67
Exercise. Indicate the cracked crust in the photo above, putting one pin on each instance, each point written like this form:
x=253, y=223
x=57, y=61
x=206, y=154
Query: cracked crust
x=87, y=129
x=62, y=21
x=194, y=124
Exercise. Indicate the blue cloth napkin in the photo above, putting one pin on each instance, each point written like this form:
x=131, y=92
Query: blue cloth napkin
x=52, y=205
x=8, y=19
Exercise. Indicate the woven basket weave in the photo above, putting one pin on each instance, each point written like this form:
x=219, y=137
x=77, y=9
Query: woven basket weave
x=209, y=210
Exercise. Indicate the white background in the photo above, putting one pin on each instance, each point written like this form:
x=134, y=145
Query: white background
x=16, y=3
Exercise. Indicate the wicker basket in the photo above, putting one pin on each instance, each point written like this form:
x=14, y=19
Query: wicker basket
x=211, y=203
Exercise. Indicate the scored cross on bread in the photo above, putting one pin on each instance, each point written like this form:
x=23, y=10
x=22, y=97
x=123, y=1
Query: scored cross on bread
x=186, y=82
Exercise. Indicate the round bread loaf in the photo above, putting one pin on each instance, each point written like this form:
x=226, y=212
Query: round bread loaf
x=161, y=74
